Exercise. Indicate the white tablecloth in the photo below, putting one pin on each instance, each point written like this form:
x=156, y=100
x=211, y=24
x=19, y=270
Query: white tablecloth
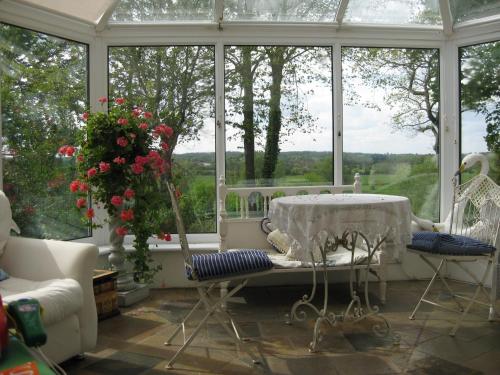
x=303, y=217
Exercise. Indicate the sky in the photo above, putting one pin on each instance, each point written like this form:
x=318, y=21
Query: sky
x=366, y=129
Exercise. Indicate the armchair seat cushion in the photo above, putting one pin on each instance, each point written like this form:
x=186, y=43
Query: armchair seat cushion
x=228, y=264
x=59, y=298
x=449, y=244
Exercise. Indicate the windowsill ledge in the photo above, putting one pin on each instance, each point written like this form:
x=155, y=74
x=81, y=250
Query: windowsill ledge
x=167, y=248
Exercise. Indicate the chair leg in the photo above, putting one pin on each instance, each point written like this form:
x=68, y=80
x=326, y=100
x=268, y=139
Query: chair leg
x=479, y=287
x=182, y=324
x=429, y=286
x=493, y=292
x=211, y=309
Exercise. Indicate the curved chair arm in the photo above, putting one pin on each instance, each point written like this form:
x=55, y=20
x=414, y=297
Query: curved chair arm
x=38, y=260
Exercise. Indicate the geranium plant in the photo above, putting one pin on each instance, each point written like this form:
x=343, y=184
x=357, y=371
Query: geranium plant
x=120, y=161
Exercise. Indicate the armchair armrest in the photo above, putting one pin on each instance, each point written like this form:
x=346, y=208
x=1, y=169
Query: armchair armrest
x=38, y=260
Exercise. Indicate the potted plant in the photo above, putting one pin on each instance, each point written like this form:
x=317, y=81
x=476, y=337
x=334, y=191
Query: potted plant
x=120, y=161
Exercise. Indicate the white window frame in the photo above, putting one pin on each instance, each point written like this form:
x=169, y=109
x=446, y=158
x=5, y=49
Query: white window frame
x=335, y=35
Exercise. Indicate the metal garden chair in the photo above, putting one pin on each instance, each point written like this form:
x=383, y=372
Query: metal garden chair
x=206, y=271
x=470, y=234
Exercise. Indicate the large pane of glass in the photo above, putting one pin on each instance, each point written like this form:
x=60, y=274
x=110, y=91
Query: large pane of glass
x=177, y=84
x=480, y=105
x=395, y=12
x=43, y=93
x=280, y=10
x=164, y=11
x=278, y=116
x=465, y=10
x=391, y=123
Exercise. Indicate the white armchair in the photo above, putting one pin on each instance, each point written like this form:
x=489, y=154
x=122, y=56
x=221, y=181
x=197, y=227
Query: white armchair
x=59, y=275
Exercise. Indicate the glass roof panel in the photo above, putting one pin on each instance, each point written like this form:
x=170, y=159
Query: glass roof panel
x=394, y=12
x=466, y=10
x=164, y=11
x=89, y=11
x=280, y=10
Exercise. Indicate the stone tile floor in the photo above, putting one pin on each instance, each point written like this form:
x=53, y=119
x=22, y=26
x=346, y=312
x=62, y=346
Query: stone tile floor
x=132, y=343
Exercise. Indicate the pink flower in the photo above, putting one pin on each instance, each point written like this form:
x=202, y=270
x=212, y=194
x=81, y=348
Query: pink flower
x=119, y=101
x=122, y=121
x=90, y=213
x=84, y=187
x=116, y=200
x=121, y=231
x=132, y=136
x=70, y=151
x=74, y=186
x=129, y=193
x=91, y=172
x=141, y=160
x=136, y=112
x=148, y=115
x=104, y=167
x=80, y=158
x=137, y=168
x=164, y=236
x=122, y=141
x=163, y=130
x=62, y=150
x=85, y=116
x=164, y=146
x=102, y=100
x=127, y=215
x=119, y=160
x=81, y=202
x=154, y=155
x=143, y=126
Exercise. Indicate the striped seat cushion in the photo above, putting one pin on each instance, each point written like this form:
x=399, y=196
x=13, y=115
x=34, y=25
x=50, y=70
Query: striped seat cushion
x=448, y=244
x=227, y=264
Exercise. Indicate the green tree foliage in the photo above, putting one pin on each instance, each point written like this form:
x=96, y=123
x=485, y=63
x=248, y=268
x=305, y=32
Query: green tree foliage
x=282, y=79
x=177, y=85
x=410, y=78
x=43, y=92
x=480, y=92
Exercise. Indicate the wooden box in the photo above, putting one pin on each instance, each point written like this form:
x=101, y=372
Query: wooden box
x=106, y=298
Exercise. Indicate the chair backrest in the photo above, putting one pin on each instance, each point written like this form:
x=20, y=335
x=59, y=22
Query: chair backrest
x=181, y=229
x=476, y=211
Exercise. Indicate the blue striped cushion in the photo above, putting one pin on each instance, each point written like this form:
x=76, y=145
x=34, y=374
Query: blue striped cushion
x=229, y=263
x=449, y=244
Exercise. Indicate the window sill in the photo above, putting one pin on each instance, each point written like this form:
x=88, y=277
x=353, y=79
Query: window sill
x=167, y=248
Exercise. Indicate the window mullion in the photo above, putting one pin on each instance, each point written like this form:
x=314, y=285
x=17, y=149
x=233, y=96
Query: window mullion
x=219, y=119
x=337, y=113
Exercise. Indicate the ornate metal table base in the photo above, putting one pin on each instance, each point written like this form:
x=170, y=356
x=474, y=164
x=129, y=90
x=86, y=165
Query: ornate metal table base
x=356, y=310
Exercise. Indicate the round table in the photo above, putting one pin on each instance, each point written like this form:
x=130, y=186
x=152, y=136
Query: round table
x=303, y=217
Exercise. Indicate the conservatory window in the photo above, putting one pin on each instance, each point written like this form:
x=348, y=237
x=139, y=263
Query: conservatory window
x=480, y=104
x=278, y=116
x=391, y=123
x=396, y=12
x=43, y=93
x=163, y=10
x=466, y=10
x=177, y=84
x=280, y=10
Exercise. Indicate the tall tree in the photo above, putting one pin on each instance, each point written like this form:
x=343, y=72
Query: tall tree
x=243, y=63
x=480, y=92
x=411, y=80
x=43, y=90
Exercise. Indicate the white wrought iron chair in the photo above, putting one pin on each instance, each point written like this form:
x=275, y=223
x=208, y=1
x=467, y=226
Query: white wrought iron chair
x=469, y=234
x=206, y=271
